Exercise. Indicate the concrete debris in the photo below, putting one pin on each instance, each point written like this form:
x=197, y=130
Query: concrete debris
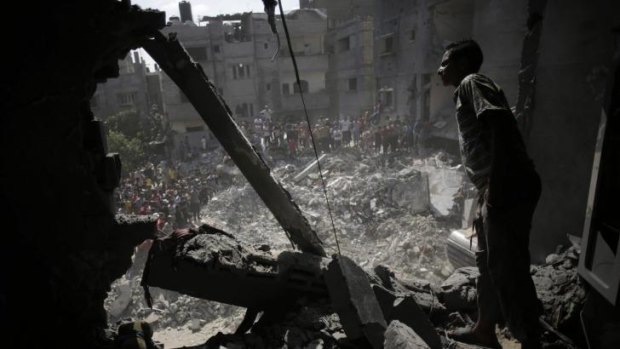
x=401, y=336
x=458, y=292
x=308, y=327
x=353, y=299
x=209, y=254
x=561, y=291
x=409, y=191
x=377, y=212
x=311, y=168
x=122, y=300
x=557, y=283
x=400, y=302
x=379, y=227
x=444, y=184
x=170, y=309
x=406, y=310
x=381, y=233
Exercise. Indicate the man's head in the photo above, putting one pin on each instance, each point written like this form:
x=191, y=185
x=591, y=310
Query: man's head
x=460, y=59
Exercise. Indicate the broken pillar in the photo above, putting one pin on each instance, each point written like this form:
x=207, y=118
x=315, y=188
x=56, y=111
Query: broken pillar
x=353, y=299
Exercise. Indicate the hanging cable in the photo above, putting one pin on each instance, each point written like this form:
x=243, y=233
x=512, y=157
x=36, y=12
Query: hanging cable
x=270, y=9
x=303, y=102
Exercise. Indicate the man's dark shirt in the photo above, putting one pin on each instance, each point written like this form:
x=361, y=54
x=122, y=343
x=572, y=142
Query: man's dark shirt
x=478, y=98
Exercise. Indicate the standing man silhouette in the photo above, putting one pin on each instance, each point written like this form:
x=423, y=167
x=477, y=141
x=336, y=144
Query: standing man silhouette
x=496, y=161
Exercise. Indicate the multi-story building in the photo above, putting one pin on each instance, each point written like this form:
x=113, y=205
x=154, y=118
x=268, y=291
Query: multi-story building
x=183, y=120
x=308, y=28
x=237, y=52
x=136, y=88
x=351, y=66
x=350, y=44
x=394, y=37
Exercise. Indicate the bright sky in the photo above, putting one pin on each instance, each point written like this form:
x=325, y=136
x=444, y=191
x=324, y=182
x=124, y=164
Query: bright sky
x=202, y=8
x=212, y=7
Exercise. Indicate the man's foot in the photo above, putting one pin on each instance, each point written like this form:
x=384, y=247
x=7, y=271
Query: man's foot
x=469, y=335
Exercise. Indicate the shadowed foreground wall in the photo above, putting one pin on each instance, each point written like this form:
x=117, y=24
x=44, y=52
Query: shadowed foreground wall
x=60, y=246
x=575, y=53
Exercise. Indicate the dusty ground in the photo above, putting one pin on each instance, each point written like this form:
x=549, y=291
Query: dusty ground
x=186, y=336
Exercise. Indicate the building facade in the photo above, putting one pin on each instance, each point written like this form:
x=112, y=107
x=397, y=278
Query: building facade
x=136, y=88
x=350, y=47
x=238, y=54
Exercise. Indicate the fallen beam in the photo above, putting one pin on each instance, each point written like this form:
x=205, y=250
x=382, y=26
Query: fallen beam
x=191, y=79
x=211, y=264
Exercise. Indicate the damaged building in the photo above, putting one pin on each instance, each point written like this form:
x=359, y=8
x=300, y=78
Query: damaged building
x=237, y=53
x=270, y=265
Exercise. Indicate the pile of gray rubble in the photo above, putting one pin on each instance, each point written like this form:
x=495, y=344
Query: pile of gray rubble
x=392, y=285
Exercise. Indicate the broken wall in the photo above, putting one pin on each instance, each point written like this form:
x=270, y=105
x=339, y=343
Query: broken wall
x=575, y=52
x=61, y=248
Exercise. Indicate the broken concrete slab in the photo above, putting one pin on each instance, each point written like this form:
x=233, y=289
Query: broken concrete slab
x=458, y=292
x=121, y=302
x=409, y=191
x=211, y=264
x=444, y=184
x=421, y=291
x=406, y=310
x=354, y=300
x=401, y=336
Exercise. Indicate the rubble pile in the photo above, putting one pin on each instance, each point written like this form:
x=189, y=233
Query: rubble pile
x=300, y=299
x=170, y=309
x=561, y=291
x=392, y=217
x=382, y=214
x=308, y=327
x=558, y=285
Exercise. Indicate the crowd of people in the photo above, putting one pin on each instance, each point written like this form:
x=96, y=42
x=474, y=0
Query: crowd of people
x=365, y=132
x=167, y=190
x=177, y=195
